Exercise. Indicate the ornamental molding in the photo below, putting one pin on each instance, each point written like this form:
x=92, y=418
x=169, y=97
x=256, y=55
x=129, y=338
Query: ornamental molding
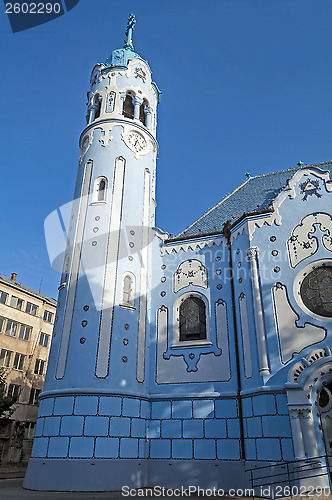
x=123, y=122
x=85, y=145
x=252, y=253
x=293, y=337
x=107, y=138
x=190, y=272
x=307, y=188
x=138, y=68
x=304, y=239
x=192, y=245
x=303, y=373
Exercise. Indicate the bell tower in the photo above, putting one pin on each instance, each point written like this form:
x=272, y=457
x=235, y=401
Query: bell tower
x=95, y=404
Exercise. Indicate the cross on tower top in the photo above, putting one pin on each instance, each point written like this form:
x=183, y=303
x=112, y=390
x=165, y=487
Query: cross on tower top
x=129, y=31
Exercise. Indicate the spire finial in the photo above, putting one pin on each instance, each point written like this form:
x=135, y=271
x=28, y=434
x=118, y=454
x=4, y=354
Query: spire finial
x=129, y=31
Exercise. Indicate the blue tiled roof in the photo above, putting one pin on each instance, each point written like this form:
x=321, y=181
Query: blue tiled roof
x=254, y=195
x=30, y=291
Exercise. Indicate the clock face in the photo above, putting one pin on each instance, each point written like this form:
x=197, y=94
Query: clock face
x=136, y=141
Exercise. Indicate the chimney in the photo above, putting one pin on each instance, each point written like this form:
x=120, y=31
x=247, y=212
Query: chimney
x=13, y=277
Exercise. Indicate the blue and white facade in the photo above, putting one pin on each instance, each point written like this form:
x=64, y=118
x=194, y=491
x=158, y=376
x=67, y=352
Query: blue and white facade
x=189, y=360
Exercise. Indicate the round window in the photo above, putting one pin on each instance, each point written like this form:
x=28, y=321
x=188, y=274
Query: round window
x=316, y=291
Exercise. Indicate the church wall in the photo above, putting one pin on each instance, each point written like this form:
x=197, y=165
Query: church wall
x=184, y=426
x=291, y=329
x=295, y=337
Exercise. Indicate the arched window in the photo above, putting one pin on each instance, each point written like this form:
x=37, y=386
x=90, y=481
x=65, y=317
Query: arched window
x=192, y=319
x=128, y=290
x=99, y=190
x=128, y=107
x=97, y=103
x=102, y=190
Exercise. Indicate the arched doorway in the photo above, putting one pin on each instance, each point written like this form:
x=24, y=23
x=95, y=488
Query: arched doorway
x=325, y=410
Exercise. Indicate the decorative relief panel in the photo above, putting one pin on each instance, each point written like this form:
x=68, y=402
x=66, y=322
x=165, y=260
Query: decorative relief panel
x=309, y=188
x=106, y=138
x=292, y=339
x=306, y=362
x=139, y=73
x=110, y=102
x=190, y=272
x=303, y=243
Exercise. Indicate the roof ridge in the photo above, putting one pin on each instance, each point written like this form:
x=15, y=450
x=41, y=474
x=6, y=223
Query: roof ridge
x=293, y=168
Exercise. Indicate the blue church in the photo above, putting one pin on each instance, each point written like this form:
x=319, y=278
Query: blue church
x=200, y=359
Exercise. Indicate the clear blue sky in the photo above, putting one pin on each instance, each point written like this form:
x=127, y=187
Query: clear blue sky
x=246, y=87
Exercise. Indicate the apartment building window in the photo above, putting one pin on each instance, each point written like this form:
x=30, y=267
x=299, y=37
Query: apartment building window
x=19, y=361
x=24, y=332
x=34, y=393
x=39, y=366
x=5, y=357
x=16, y=302
x=48, y=316
x=3, y=297
x=11, y=328
x=2, y=322
x=31, y=309
x=29, y=431
x=43, y=339
x=13, y=391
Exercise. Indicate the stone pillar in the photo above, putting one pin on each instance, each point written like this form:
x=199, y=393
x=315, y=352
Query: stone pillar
x=138, y=101
x=92, y=112
x=252, y=254
x=122, y=100
x=148, y=117
x=295, y=415
x=308, y=433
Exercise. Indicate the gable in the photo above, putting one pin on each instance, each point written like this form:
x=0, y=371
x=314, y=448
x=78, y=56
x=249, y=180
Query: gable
x=255, y=195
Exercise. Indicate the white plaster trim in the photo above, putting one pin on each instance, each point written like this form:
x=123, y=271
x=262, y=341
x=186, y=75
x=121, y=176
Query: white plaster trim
x=74, y=272
x=140, y=368
x=247, y=358
x=252, y=254
x=108, y=300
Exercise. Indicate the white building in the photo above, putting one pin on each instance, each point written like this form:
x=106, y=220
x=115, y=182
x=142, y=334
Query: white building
x=26, y=324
